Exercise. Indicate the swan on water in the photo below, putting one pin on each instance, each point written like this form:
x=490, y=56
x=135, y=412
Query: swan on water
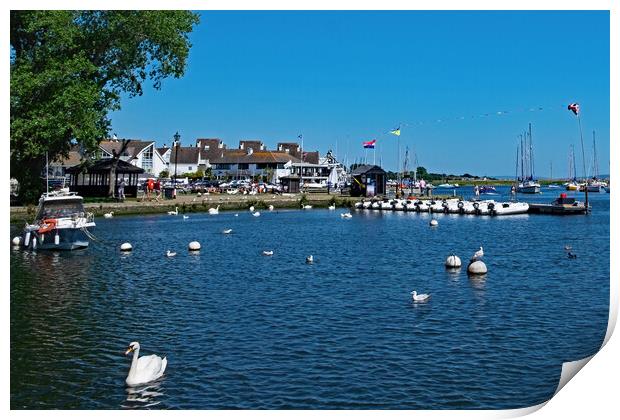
x=236, y=214
x=170, y=253
x=214, y=210
x=256, y=214
x=144, y=369
x=422, y=297
x=479, y=254
x=108, y=215
x=251, y=208
x=174, y=212
x=346, y=215
x=268, y=253
x=271, y=207
x=332, y=207
x=309, y=259
x=306, y=207
x=227, y=231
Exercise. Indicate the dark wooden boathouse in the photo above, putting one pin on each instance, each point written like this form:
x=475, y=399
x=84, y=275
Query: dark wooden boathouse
x=93, y=180
x=368, y=181
x=290, y=184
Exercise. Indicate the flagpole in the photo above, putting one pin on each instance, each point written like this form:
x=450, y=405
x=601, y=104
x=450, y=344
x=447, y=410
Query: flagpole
x=583, y=157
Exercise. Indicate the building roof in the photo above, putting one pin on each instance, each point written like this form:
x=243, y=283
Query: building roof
x=74, y=158
x=103, y=166
x=311, y=157
x=262, y=156
x=133, y=149
x=255, y=145
x=162, y=150
x=293, y=149
x=186, y=155
x=364, y=169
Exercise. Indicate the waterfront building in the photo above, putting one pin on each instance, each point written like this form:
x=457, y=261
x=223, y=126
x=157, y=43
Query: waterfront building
x=93, y=180
x=140, y=153
x=368, y=181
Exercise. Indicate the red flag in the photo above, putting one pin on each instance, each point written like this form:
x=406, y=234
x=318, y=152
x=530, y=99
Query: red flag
x=369, y=144
x=574, y=107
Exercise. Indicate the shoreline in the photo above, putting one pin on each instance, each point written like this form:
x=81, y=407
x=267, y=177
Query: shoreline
x=191, y=203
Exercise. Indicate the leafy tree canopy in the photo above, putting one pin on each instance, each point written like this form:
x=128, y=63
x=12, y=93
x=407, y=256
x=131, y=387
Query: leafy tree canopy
x=69, y=69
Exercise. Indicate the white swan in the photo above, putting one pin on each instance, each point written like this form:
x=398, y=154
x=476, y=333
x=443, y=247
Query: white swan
x=271, y=207
x=251, y=208
x=144, y=369
x=479, y=254
x=423, y=297
x=332, y=207
x=175, y=212
x=185, y=217
x=268, y=253
x=256, y=214
x=306, y=207
x=108, y=215
x=309, y=259
x=346, y=215
x=227, y=231
x=170, y=253
x=214, y=210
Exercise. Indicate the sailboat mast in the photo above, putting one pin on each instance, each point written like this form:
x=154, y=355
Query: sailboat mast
x=595, y=158
x=47, y=173
x=531, y=153
x=522, y=167
x=574, y=163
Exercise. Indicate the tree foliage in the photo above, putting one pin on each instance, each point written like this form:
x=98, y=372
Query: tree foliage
x=69, y=70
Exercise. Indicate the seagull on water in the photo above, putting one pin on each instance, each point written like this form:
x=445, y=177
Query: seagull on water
x=309, y=259
x=422, y=297
x=268, y=253
x=170, y=253
x=227, y=231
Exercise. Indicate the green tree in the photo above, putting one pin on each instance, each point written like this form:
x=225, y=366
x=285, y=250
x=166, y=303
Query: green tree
x=69, y=70
x=421, y=171
x=164, y=174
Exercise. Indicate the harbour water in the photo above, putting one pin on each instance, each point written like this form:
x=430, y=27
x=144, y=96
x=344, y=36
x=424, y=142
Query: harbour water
x=242, y=330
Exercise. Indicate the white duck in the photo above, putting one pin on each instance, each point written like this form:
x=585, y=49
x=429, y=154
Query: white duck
x=268, y=253
x=309, y=259
x=214, y=210
x=227, y=231
x=174, y=212
x=108, y=215
x=423, y=297
x=144, y=369
x=332, y=207
x=256, y=214
x=479, y=254
x=170, y=254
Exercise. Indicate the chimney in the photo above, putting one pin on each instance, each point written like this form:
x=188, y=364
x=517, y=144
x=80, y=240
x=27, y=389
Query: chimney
x=250, y=151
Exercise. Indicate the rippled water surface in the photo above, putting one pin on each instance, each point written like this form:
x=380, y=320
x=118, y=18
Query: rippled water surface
x=242, y=330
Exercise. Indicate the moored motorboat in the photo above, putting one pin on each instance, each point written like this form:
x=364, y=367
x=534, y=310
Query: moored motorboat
x=506, y=208
x=421, y=206
x=436, y=206
x=466, y=207
x=451, y=206
x=484, y=207
x=60, y=223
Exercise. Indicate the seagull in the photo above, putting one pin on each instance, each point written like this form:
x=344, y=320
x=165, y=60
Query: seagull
x=423, y=297
x=256, y=214
x=479, y=254
x=227, y=231
x=185, y=217
x=568, y=247
x=251, y=208
x=170, y=253
x=268, y=253
x=108, y=215
x=174, y=212
x=571, y=255
x=309, y=259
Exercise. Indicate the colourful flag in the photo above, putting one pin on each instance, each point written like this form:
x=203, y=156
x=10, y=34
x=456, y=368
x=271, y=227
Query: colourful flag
x=574, y=107
x=369, y=144
x=396, y=132
x=300, y=137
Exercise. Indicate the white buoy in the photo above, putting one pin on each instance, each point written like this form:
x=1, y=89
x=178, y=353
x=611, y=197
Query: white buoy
x=16, y=241
x=433, y=222
x=453, y=261
x=56, y=239
x=477, y=267
x=126, y=247
x=194, y=246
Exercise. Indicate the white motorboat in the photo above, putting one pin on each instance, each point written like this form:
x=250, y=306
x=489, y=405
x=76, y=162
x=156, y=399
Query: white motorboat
x=528, y=187
x=466, y=207
x=366, y=204
x=436, y=206
x=421, y=206
x=60, y=223
x=410, y=205
x=451, y=205
x=399, y=205
x=484, y=207
x=376, y=205
x=386, y=204
x=505, y=208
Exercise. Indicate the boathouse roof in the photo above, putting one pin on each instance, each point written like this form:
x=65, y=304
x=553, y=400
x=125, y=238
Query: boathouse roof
x=365, y=169
x=103, y=166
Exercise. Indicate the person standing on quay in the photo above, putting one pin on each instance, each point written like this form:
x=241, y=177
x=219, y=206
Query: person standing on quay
x=121, y=190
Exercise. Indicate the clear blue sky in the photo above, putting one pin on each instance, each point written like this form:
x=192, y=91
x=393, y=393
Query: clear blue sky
x=344, y=77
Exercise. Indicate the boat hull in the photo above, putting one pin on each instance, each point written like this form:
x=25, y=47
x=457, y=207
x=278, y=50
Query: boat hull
x=529, y=189
x=68, y=239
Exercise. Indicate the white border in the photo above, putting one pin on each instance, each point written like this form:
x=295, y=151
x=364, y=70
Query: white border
x=593, y=393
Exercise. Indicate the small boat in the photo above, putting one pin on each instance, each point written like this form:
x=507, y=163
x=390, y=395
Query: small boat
x=506, y=208
x=399, y=205
x=488, y=190
x=528, y=187
x=60, y=223
x=466, y=207
x=366, y=204
x=572, y=186
x=484, y=207
x=376, y=205
x=451, y=206
x=436, y=206
x=421, y=206
x=553, y=186
x=410, y=205
x=386, y=204
x=447, y=186
x=562, y=205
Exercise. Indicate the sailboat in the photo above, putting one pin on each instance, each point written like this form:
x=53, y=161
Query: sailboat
x=527, y=183
x=572, y=185
x=593, y=184
x=553, y=186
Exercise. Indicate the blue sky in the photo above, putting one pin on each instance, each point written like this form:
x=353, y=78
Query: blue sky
x=344, y=77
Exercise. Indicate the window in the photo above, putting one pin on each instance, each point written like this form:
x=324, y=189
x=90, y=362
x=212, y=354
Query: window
x=222, y=166
x=243, y=166
x=189, y=168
